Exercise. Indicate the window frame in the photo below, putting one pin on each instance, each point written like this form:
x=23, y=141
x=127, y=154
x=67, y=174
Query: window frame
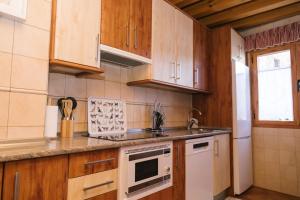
x=254, y=89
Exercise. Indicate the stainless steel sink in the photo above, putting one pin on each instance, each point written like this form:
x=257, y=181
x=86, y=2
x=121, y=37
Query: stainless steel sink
x=203, y=130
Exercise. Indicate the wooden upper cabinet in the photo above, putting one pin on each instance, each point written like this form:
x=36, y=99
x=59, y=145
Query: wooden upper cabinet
x=42, y=178
x=126, y=25
x=140, y=27
x=75, y=34
x=163, y=42
x=184, y=49
x=201, y=56
x=115, y=26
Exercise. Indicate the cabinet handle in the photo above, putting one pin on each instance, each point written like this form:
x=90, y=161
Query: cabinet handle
x=99, y=161
x=127, y=35
x=97, y=48
x=17, y=186
x=99, y=185
x=173, y=70
x=196, y=75
x=177, y=158
x=178, y=71
x=216, y=148
x=135, y=38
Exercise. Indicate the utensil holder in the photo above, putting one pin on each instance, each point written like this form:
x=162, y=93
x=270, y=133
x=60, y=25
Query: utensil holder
x=67, y=128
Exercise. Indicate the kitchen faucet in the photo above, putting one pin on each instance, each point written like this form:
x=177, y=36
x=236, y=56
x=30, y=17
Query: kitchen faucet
x=191, y=120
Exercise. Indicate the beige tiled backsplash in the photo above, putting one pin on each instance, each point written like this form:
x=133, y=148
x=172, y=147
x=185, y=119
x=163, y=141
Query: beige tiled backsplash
x=276, y=154
x=139, y=100
x=24, y=57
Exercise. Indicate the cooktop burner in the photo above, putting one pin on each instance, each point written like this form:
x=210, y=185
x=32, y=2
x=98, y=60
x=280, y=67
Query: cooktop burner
x=132, y=136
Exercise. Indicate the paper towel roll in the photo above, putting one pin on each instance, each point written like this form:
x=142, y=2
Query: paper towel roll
x=51, y=121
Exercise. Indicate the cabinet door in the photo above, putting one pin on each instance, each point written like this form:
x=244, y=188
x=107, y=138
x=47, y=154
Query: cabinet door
x=77, y=31
x=179, y=170
x=201, y=58
x=43, y=178
x=237, y=47
x=140, y=27
x=184, y=49
x=163, y=41
x=221, y=163
x=115, y=24
x=165, y=194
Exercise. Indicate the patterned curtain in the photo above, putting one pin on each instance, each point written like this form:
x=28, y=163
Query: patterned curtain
x=270, y=38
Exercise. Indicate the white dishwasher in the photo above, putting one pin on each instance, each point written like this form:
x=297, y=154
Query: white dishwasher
x=199, y=169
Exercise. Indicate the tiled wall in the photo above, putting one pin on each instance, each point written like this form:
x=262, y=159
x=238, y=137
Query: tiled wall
x=24, y=47
x=139, y=100
x=276, y=154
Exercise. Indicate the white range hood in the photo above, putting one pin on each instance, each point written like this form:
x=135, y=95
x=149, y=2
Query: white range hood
x=123, y=58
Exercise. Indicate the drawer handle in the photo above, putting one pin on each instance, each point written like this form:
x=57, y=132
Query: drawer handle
x=17, y=186
x=99, y=161
x=99, y=185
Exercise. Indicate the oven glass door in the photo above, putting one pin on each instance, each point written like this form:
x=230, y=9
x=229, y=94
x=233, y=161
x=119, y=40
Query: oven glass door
x=146, y=169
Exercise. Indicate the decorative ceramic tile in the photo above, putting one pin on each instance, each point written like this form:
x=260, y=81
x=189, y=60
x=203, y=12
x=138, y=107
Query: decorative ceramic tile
x=106, y=116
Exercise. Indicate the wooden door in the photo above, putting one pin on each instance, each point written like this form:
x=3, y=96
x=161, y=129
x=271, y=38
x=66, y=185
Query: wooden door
x=163, y=41
x=161, y=195
x=179, y=170
x=115, y=24
x=42, y=178
x=201, y=57
x=184, y=49
x=77, y=32
x=140, y=27
x=221, y=163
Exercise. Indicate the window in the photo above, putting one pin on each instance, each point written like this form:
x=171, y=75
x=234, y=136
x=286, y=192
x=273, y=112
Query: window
x=273, y=90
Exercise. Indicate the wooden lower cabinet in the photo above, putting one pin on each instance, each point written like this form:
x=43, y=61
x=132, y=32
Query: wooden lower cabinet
x=166, y=194
x=107, y=196
x=41, y=178
x=221, y=163
x=179, y=170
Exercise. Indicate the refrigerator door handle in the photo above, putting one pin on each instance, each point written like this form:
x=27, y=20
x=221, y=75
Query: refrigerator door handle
x=241, y=138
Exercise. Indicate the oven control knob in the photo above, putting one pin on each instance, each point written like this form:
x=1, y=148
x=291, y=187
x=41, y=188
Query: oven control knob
x=168, y=170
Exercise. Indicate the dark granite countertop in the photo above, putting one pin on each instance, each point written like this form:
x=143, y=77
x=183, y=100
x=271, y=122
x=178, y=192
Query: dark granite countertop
x=35, y=148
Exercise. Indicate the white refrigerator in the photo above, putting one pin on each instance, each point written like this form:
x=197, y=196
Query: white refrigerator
x=242, y=144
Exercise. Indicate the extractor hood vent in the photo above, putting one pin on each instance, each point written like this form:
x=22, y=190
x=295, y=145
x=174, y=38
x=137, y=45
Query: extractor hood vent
x=123, y=58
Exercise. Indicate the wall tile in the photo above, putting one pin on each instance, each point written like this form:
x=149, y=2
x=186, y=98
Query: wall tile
x=4, y=104
x=5, y=69
x=29, y=73
x=31, y=41
x=57, y=84
x=124, y=75
x=112, y=72
x=7, y=34
x=272, y=175
x=271, y=156
x=39, y=14
x=3, y=133
x=288, y=158
x=151, y=95
x=127, y=93
x=95, y=88
x=139, y=94
x=26, y=110
x=75, y=87
x=287, y=143
x=25, y=132
x=112, y=90
x=80, y=114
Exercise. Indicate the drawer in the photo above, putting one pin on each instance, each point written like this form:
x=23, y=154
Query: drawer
x=93, y=185
x=92, y=162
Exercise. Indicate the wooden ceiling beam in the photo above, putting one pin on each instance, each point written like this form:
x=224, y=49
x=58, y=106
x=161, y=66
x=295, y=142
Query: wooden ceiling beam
x=267, y=17
x=208, y=7
x=243, y=11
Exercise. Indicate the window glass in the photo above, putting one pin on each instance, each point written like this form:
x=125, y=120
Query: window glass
x=275, y=96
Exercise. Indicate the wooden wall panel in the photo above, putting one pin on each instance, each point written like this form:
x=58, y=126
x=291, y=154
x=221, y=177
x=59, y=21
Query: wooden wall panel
x=217, y=107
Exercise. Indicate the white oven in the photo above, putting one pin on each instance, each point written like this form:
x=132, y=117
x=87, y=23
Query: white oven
x=144, y=170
